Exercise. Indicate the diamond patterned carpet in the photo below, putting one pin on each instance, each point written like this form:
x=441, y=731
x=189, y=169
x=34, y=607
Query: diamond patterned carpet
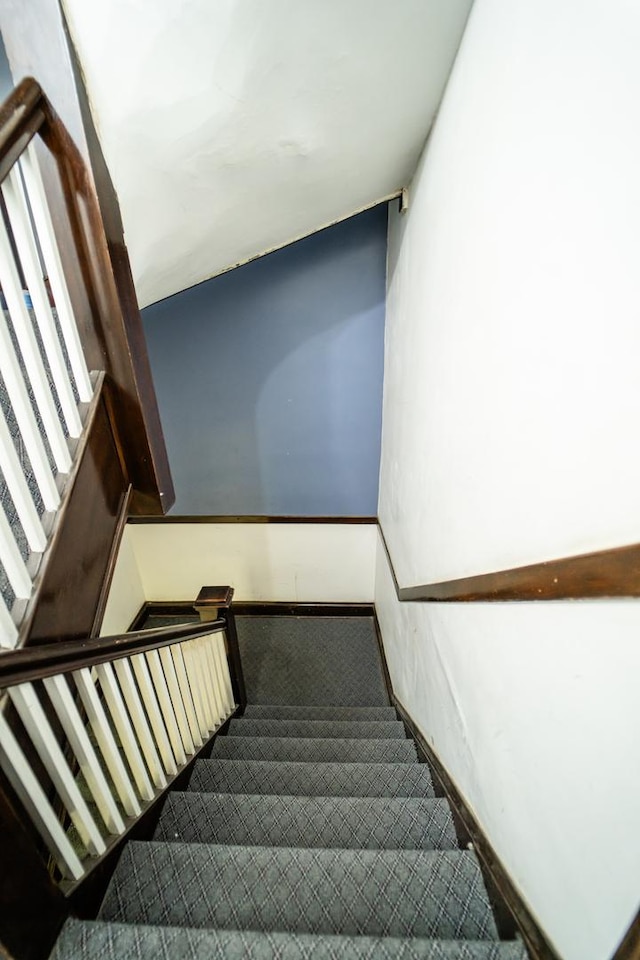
x=373, y=823
x=349, y=729
x=294, y=660
x=311, y=832
x=119, y=941
x=312, y=779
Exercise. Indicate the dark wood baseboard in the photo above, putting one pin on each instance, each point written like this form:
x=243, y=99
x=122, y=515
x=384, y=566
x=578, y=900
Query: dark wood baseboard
x=249, y=609
x=178, y=608
x=250, y=518
x=629, y=948
x=512, y=913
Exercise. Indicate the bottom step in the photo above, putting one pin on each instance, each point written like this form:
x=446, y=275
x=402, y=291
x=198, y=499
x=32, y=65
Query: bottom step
x=93, y=940
x=380, y=893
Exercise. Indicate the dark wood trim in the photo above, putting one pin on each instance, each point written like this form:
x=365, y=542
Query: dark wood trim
x=85, y=896
x=21, y=117
x=383, y=658
x=162, y=608
x=220, y=596
x=603, y=573
x=267, y=609
x=502, y=891
x=234, y=658
x=58, y=529
x=111, y=562
x=32, y=908
x=252, y=519
x=48, y=660
x=629, y=948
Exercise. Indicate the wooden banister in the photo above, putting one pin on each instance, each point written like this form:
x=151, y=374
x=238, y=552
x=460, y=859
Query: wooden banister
x=36, y=663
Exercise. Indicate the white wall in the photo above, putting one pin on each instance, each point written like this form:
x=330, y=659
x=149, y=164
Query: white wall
x=534, y=710
x=233, y=128
x=262, y=561
x=126, y=594
x=513, y=330
x=511, y=411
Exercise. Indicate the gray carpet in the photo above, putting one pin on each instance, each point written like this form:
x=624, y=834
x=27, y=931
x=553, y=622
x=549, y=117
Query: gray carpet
x=322, y=842
x=312, y=779
x=313, y=661
x=386, y=893
x=315, y=748
x=255, y=711
x=118, y=941
x=345, y=729
x=369, y=823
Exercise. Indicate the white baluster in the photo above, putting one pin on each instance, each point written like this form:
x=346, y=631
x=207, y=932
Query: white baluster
x=216, y=679
x=212, y=681
x=51, y=256
x=37, y=726
x=207, y=687
x=34, y=800
x=186, y=695
x=13, y=191
x=11, y=558
x=106, y=741
x=73, y=726
x=221, y=654
x=122, y=723
x=173, y=685
x=12, y=289
x=148, y=694
x=139, y=721
x=8, y=629
x=191, y=668
x=23, y=412
x=164, y=700
x=19, y=490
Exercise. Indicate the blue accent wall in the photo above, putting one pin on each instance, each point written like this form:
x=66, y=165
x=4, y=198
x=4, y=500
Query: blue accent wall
x=269, y=378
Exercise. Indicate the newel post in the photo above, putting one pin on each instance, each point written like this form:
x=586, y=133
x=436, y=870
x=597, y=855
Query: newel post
x=212, y=603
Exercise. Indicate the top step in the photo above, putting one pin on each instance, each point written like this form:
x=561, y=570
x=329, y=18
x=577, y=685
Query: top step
x=258, y=711
x=311, y=661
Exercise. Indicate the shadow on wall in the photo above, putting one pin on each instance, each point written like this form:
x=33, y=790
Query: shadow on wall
x=269, y=378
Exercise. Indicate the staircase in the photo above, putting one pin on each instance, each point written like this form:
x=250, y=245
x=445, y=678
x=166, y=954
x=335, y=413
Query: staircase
x=310, y=831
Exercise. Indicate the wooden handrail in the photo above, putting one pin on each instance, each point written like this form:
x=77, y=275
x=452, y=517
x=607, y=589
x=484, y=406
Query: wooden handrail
x=21, y=116
x=36, y=663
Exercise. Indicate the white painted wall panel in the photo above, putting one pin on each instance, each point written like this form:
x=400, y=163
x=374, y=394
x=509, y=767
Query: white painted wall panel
x=126, y=594
x=534, y=710
x=262, y=561
x=234, y=127
x=512, y=395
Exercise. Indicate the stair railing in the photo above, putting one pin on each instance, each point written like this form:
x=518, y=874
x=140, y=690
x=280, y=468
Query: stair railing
x=98, y=729
x=45, y=386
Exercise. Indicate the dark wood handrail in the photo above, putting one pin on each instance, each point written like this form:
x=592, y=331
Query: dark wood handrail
x=21, y=116
x=36, y=663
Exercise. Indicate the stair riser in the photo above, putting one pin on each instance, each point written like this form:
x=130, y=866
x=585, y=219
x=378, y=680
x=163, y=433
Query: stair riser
x=314, y=749
x=254, y=711
x=325, y=729
x=312, y=779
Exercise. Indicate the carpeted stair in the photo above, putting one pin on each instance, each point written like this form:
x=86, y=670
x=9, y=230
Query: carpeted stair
x=310, y=832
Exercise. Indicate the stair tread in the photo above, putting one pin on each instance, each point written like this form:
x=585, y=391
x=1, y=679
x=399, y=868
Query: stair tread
x=314, y=748
x=98, y=940
x=373, y=892
x=326, y=729
x=345, y=822
x=311, y=660
x=289, y=712
x=312, y=779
